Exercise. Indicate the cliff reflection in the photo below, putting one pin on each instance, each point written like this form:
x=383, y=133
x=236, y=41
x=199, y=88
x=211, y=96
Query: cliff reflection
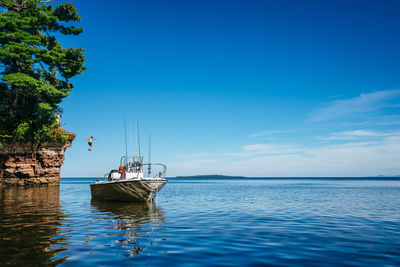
x=136, y=222
x=29, y=220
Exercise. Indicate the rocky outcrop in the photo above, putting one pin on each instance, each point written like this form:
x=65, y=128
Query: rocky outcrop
x=31, y=164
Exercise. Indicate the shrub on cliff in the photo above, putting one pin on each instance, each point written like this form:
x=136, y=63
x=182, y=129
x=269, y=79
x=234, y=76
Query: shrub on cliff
x=35, y=70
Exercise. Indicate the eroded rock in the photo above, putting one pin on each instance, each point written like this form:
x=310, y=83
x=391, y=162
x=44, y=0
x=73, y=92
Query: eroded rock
x=30, y=164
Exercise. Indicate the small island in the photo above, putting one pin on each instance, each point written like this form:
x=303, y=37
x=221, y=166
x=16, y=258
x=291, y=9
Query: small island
x=210, y=176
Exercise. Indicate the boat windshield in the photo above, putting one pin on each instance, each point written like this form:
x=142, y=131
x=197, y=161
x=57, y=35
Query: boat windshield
x=131, y=161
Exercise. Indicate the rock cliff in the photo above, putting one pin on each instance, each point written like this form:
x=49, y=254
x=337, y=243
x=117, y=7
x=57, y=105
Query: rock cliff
x=31, y=164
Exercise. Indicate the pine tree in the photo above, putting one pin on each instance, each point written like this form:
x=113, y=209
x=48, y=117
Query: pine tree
x=35, y=70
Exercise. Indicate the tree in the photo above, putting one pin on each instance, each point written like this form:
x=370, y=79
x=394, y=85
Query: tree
x=35, y=70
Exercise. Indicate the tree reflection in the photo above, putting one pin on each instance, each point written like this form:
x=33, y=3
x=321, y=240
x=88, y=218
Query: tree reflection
x=136, y=221
x=29, y=225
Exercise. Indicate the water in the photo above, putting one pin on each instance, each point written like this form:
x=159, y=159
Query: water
x=208, y=222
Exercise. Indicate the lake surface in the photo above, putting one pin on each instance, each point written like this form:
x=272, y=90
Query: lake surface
x=206, y=222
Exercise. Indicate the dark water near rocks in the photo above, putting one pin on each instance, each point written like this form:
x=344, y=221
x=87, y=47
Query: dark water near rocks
x=208, y=222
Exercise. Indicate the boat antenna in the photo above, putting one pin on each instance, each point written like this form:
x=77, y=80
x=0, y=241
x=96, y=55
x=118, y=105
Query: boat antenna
x=138, y=137
x=126, y=145
x=130, y=138
x=149, y=169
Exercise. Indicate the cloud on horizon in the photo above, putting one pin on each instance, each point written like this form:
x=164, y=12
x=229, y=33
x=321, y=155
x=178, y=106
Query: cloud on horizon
x=351, y=159
x=341, y=152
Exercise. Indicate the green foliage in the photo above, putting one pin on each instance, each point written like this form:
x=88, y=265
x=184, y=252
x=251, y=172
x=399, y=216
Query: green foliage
x=51, y=134
x=35, y=69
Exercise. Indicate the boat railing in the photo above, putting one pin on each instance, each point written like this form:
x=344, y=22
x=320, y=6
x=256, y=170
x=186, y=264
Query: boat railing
x=159, y=174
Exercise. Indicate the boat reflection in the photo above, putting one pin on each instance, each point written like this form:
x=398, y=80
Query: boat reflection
x=29, y=226
x=140, y=224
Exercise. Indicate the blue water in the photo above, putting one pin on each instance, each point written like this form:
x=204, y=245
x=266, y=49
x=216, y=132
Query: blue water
x=207, y=222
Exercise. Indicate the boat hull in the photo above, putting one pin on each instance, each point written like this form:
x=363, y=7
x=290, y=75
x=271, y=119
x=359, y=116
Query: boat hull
x=127, y=190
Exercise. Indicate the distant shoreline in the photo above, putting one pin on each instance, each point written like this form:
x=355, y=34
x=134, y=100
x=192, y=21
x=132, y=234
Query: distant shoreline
x=395, y=178
x=210, y=176
x=260, y=177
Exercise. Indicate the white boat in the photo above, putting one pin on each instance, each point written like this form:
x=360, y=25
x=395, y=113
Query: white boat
x=128, y=183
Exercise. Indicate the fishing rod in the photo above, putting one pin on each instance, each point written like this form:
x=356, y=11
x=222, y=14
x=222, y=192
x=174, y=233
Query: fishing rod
x=126, y=146
x=149, y=169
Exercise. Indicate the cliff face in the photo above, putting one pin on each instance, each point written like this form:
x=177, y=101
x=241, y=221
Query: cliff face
x=30, y=164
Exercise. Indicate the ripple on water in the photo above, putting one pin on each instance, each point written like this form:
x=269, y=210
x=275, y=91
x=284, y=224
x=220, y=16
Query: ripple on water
x=209, y=223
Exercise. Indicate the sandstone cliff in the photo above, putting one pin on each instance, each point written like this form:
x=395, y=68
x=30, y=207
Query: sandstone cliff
x=30, y=164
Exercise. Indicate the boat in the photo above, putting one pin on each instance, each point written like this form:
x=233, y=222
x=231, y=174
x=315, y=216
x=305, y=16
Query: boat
x=128, y=183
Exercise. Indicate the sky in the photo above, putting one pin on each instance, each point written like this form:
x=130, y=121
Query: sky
x=281, y=88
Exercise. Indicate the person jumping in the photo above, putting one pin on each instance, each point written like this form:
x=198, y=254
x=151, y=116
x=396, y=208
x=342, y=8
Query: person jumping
x=90, y=143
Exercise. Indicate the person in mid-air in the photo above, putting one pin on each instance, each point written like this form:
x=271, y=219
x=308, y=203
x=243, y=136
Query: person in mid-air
x=90, y=143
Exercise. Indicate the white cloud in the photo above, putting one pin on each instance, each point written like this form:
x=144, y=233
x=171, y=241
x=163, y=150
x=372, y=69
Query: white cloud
x=271, y=132
x=267, y=149
x=201, y=155
x=268, y=160
x=357, y=135
x=353, y=107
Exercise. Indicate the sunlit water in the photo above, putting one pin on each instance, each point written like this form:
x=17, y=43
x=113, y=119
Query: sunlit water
x=209, y=222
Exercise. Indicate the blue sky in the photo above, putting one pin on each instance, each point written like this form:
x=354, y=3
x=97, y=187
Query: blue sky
x=254, y=88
